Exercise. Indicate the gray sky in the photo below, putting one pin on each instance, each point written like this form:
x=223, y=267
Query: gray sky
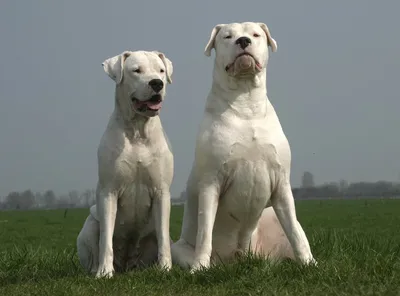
x=333, y=81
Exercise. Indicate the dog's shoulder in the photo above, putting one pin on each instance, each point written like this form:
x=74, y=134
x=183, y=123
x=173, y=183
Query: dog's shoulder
x=112, y=141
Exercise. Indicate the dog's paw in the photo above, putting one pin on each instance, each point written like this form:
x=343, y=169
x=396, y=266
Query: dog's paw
x=310, y=262
x=105, y=273
x=165, y=264
x=199, y=264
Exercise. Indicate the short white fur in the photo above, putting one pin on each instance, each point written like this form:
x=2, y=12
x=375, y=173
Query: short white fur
x=129, y=224
x=241, y=166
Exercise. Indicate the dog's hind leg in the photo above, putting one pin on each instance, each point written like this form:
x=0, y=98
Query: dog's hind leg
x=182, y=253
x=269, y=239
x=146, y=252
x=88, y=244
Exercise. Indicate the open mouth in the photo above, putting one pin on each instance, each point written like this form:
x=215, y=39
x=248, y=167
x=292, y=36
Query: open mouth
x=152, y=104
x=258, y=65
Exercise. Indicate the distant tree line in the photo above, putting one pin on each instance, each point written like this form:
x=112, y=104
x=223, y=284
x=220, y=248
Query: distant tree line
x=49, y=200
x=343, y=189
x=353, y=190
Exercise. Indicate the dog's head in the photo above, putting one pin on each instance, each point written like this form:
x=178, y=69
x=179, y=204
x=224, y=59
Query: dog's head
x=142, y=77
x=241, y=48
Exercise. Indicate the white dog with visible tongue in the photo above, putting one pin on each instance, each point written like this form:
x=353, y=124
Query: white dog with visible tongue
x=129, y=225
x=242, y=161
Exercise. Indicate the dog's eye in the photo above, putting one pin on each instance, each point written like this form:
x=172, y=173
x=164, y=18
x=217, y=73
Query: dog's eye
x=256, y=35
x=228, y=37
x=162, y=71
x=137, y=71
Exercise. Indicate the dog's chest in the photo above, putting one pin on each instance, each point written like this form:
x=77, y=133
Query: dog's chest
x=140, y=165
x=247, y=146
x=249, y=172
x=139, y=173
x=249, y=164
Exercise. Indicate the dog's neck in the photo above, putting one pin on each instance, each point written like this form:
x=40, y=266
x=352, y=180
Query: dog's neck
x=246, y=97
x=136, y=126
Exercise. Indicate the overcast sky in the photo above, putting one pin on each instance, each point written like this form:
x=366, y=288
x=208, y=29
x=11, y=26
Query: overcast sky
x=333, y=81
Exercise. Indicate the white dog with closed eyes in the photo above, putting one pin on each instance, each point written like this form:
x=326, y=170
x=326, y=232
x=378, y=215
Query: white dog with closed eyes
x=129, y=225
x=242, y=161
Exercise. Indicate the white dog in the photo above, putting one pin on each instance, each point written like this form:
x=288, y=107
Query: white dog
x=129, y=224
x=242, y=161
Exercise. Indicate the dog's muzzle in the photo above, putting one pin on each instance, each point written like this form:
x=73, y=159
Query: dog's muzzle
x=152, y=104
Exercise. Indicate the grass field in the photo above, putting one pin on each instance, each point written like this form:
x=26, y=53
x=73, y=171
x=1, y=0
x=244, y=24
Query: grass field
x=356, y=243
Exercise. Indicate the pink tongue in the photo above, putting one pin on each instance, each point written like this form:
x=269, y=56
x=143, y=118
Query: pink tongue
x=153, y=105
x=150, y=105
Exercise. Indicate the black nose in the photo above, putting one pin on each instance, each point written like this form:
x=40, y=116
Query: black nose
x=156, y=84
x=243, y=42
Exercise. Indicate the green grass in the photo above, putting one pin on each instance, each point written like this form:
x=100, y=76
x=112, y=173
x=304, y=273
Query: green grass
x=356, y=243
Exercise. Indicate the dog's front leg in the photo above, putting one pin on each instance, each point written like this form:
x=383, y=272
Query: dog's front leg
x=283, y=204
x=161, y=212
x=106, y=210
x=207, y=210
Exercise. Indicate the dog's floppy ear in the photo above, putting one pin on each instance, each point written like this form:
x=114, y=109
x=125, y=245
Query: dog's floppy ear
x=169, y=69
x=271, y=41
x=114, y=67
x=211, y=43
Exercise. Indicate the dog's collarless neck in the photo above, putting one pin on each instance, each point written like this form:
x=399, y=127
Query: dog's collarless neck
x=251, y=104
x=137, y=126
